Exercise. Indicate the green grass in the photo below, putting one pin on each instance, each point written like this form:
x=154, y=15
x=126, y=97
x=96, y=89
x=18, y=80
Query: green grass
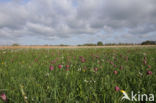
x=81, y=84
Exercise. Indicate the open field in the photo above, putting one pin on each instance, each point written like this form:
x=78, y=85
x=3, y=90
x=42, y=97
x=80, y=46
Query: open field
x=38, y=47
x=83, y=75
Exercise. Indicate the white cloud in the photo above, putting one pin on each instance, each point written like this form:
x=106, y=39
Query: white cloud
x=63, y=18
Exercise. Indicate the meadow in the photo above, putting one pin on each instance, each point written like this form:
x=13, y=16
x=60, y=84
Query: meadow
x=87, y=75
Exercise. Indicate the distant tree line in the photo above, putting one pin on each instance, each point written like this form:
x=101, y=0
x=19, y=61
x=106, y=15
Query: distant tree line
x=100, y=43
x=148, y=42
x=107, y=44
x=92, y=44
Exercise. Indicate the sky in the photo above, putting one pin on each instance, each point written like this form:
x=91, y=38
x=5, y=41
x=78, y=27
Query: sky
x=72, y=22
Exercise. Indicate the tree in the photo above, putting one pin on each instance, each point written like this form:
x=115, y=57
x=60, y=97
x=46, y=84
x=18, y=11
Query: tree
x=99, y=43
x=148, y=42
x=15, y=44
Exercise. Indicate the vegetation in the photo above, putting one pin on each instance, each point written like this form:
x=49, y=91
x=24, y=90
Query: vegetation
x=99, y=43
x=116, y=44
x=148, y=42
x=75, y=75
x=88, y=44
x=15, y=44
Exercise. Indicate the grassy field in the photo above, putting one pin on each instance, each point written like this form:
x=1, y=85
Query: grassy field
x=87, y=75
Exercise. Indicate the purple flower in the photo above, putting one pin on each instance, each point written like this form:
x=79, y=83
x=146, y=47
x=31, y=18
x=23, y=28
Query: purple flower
x=117, y=88
x=111, y=63
x=95, y=69
x=67, y=66
x=115, y=72
x=3, y=97
x=59, y=66
x=83, y=60
x=149, y=66
x=149, y=72
x=145, y=62
x=51, y=68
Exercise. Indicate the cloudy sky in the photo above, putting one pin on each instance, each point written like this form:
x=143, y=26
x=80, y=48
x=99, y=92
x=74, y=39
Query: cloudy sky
x=74, y=22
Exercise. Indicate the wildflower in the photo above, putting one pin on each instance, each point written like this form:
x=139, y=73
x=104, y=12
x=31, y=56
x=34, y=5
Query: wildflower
x=149, y=72
x=117, y=88
x=51, y=68
x=84, y=70
x=111, y=63
x=67, y=66
x=145, y=62
x=97, y=57
x=149, y=66
x=23, y=93
x=140, y=74
x=145, y=58
x=115, y=72
x=86, y=81
x=83, y=60
x=79, y=69
x=95, y=69
x=3, y=97
x=25, y=97
x=59, y=66
x=47, y=74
